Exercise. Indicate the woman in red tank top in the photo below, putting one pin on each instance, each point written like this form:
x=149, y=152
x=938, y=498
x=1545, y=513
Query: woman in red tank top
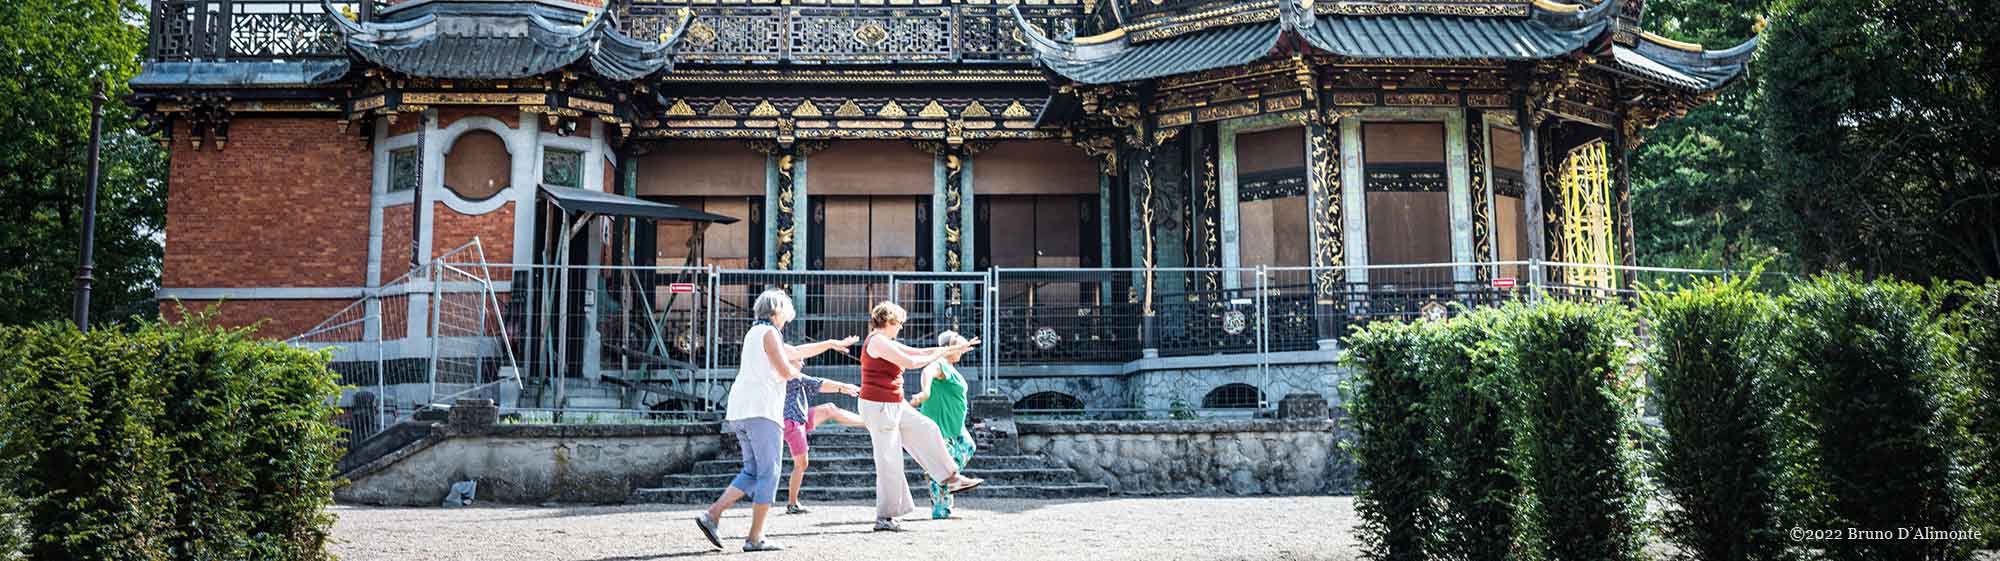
x=895, y=426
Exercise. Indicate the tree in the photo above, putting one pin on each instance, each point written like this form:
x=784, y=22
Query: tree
x=1698, y=182
x=1880, y=135
x=54, y=52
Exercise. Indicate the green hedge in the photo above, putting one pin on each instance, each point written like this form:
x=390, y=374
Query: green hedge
x=1469, y=438
x=165, y=441
x=1396, y=494
x=1867, y=387
x=1572, y=408
x=1712, y=367
x=1981, y=360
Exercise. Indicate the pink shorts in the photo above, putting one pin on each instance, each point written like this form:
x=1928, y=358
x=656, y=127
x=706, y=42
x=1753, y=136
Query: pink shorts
x=795, y=436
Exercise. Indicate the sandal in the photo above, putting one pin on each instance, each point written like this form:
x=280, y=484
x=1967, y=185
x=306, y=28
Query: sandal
x=766, y=545
x=708, y=529
x=887, y=525
x=794, y=508
x=962, y=484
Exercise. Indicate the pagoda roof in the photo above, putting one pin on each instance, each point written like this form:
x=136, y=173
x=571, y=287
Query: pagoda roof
x=500, y=40
x=1545, y=30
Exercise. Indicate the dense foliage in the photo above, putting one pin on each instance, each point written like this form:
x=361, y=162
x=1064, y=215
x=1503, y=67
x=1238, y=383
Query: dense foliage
x=1396, y=497
x=163, y=442
x=1980, y=357
x=1868, y=387
x=1711, y=368
x=54, y=53
x=1573, y=409
x=1469, y=437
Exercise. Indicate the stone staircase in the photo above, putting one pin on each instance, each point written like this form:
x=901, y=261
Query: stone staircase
x=842, y=469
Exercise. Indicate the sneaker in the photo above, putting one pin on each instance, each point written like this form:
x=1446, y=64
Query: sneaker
x=708, y=529
x=963, y=484
x=766, y=545
x=795, y=509
x=887, y=525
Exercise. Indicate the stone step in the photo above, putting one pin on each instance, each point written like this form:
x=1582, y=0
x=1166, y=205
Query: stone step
x=705, y=495
x=862, y=462
x=819, y=478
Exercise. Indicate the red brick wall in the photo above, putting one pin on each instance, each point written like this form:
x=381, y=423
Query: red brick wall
x=395, y=242
x=282, y=319
x=495, y=231
x=284, y=205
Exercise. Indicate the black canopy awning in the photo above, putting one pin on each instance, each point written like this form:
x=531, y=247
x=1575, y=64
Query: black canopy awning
x=571, y=199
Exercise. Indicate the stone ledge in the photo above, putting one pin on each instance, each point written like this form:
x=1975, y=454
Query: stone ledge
x=1176, y=427
x=601, y=431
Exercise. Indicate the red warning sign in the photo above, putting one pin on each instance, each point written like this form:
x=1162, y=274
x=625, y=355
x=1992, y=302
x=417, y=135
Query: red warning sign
x=681, y=288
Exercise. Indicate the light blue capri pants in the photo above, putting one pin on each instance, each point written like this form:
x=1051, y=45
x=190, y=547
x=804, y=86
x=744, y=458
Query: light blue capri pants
x=760, y=439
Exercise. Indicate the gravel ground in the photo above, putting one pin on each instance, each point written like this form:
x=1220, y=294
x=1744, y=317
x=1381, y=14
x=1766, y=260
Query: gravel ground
x=1149, y=529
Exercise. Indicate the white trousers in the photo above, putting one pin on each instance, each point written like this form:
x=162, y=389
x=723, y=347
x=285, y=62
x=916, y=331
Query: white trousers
x=893, y=428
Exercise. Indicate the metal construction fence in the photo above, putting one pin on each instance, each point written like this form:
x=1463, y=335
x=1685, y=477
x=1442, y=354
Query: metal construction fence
x=593, y=343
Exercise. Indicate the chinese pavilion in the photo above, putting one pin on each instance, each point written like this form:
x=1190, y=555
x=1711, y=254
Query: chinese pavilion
x=320, y=147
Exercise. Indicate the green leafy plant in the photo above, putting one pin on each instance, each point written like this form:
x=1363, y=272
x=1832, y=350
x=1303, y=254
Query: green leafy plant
x=1573, y=411
x=1468, y=436
x=1396, y=494
x=1867, y=385
x=165, y=441
x=1711, y=366
x=1980, y=357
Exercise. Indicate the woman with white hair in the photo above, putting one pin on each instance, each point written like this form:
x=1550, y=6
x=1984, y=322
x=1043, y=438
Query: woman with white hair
x=943, y=401
x=895, y=426
x=756, y=414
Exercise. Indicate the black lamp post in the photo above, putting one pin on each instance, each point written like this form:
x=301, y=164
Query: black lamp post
x=87, y=262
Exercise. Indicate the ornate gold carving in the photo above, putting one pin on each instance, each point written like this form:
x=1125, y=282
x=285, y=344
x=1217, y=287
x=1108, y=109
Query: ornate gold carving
x=849, y=109
x=723, y=108
x=891, y=110
x=1354, y=98
x=871, y=34
x=1176, y=119
x=680, y=108
x=1489, y=9
x=933, y=110
x=976, y=109
x=1016, y=111
x=1230, y=111
x=473, y=98
x=1329, y=248
x=592, y=105
x=371, y=102
x=1488, y=101
x=1286, y=103
x=764, y=109
x=807, y=109
x=1421, y=99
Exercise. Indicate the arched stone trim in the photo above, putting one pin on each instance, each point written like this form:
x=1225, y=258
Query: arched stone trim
x=521, y=157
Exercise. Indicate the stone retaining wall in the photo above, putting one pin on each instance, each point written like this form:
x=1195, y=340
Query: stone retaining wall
x=532, y=464
x=1233, y=457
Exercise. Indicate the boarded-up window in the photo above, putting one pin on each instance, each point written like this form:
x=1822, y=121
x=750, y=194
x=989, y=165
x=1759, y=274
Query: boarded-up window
x=1045, y=231
x=1033, y=167
x=1409, y=210
x=1510, y=219
x=1271, y=213
x=702, y=168
x=723, y=245
x=478, y=165
x=870, y=167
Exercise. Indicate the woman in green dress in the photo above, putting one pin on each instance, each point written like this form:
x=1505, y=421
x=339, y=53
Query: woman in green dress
x=943, y=402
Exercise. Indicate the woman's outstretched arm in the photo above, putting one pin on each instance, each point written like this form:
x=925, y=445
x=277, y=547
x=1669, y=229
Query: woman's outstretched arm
x=911, y=357
x=810, y=350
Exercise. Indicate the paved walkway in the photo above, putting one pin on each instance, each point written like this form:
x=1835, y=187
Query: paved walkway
x=1139, y=529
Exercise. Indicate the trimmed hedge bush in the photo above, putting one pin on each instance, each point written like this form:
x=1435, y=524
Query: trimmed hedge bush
x=1572, y=408
x=1867, y=393
x=1396, y=494
x=1468, y=436
x=1711, y=367
x=165, y=441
